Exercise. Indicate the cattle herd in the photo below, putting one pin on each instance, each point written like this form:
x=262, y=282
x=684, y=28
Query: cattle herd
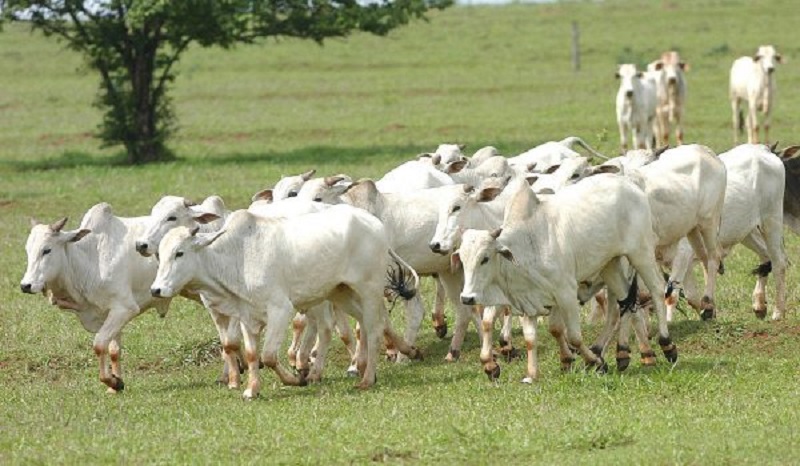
x=537, y=234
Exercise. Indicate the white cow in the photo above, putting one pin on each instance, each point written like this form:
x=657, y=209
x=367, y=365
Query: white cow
x=542, y=157
x=411, y=176
x=671, y=95
x=259, y=270
x=751, y=215
x=94, y=272
x=549, y=248
x=286, y=187
x=636, y=107
x=753, y=80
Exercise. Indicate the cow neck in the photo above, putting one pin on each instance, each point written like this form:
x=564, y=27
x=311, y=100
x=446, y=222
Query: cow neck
x=215, y=274
x=79, y=276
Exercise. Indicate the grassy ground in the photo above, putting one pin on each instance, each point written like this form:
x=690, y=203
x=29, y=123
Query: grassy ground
x=489, y=75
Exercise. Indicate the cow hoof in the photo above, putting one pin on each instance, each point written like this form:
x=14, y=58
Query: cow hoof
x=623, y=363
x=242, y=366
x=441, y=330
x=352, y=371
x=510, y=354
x=416, y=354
x=600, y=367
x=527, y=380
x=117, y=384
x=493, y=372
x=760, y=313
x=249, y=395
x=452, y=355
x=649, y=359
x=671, y=354
x=391, y=357
x=303, y=375
x=708, y=314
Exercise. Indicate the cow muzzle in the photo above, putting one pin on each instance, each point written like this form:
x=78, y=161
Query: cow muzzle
x=437, y=248
x=468, y=300
x=26, y=288
x=629, y=94
x=141, y=248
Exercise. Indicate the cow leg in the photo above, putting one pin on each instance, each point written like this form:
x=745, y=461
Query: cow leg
x=679, y=125
x=639, y=320
x=752, y=122
x=229, y=332
x=415, y=313
x=558, y=331
x=506, y=345
x=316, y=320
x=623, y=136
x=373, y=317
x=529, y=331
x=439, y=322
x=453, y=284
x=571, y=313
x=709, y=234
x=359, y=361
x=323, y=316
x=250, y=336
x=342, y=324
x=299, y=323
x=276, y=330
x=114, y=353
x=735, y=108
x=599, y=311
x=116, y=320
x=490, y=366
x=406, y=350
x=645, y=265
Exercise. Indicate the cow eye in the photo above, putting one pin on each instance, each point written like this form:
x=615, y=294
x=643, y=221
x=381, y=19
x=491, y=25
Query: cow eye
x=456, y=208
x=158, y=258
x=292, y=194
x=178, y=254
x=46, y=251
x=485, y=260
x=172, y=218
x=317, y=199
x=575, y=176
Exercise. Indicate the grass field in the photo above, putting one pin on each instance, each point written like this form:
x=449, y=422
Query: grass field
x=478, y=75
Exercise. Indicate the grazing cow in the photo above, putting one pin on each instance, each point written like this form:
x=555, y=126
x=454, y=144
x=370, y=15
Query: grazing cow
x=636, y=107
x=94, y=272
x=752, y=215
x=549, y=248
x=259, y=270
x=753, y=80
x=671, y=95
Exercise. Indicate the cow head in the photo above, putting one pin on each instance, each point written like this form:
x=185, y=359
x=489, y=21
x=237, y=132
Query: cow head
x=327, y=189
x=171, y=212
x=672, y=67
x=289, y=186
x=768, y=58
x=628, y=79
x=480, y=255
x=448, y=153
x=178, y=259
x=46, y=250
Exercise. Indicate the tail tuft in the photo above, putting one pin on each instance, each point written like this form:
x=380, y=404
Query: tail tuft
x=399, y=283
x=763, y=270
x=627, y=304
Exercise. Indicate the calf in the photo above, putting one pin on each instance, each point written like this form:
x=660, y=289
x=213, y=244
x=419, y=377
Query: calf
x=259, y=270
x=94, y=272
x=753, y=81
x=636, y=107
x=671, y=95
x=547, y=248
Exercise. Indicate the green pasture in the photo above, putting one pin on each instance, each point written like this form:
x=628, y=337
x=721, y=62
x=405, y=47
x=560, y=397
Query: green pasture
x=476, y=75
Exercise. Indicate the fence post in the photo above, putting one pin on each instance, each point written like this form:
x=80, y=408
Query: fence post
x=576, y=48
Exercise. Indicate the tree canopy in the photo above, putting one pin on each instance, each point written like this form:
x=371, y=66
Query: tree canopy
x=134, y=44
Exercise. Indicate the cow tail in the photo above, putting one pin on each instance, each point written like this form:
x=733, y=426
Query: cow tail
x=628, y=304
x=741, y=121
x=402, y=280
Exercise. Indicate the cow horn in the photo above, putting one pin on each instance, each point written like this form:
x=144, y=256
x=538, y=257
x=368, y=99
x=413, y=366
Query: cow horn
x=188, y=203
x=193, y=231
x=436, y=159
x=660, y=151
x=58, y=225
x=495, y=233
x=332, y=180
x=468, y=188
x=307, y=175
x=774, y=148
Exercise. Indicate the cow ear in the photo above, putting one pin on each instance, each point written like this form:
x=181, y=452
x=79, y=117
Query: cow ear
x=34, y=222
x=617, y=75
x=684, y=66
x=506, y=253
x=530, y=167
x=75, y=235
x=659, y=66
x=436, y=159
x=455, y=262
x=603, y=169
x=789, y=152
x=531, y=179
x=307, y=175
x=756, y=58
x=263, y=195
x=639, y=74
x=58, y=224
x=489, y=194
x=455, y=167
x=545, y=191
x=779, y=58
x=332, y=180
x=205, y=217
x=203, y=240
x=552, y=169
x=462, y=146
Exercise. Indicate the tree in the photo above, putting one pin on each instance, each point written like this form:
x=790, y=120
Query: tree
x=134, y=45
